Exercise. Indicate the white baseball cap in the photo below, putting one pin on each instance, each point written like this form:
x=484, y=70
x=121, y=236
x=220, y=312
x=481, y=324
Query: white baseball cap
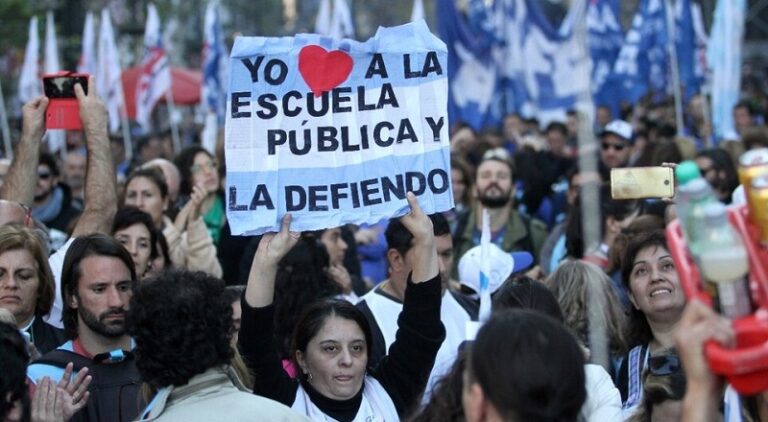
x=503, y=264
x=619, y=128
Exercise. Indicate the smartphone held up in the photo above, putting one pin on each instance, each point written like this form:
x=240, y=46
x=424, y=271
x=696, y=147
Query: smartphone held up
x=63, y=111
x=642, y=182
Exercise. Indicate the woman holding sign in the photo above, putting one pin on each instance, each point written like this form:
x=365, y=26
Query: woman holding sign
x=331, y=342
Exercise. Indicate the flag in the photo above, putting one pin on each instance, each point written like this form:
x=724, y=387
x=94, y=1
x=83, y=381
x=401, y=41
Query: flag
x=685, y=45
x=56, y=138
x=213, y=90
x=155, y=75
x=108, y=72
x=472, y=72
x=30, y=85
x=724, y=58
x=323, y=19
x=215, y=65
x=341, y=21
x=605, y=37
x=87, y=62
x=418, y=10
x=548, y=63
x=643, y=61
x=700, y=69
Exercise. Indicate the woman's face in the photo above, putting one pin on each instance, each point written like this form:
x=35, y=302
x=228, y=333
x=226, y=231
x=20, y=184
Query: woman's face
x=19, y=281
x=144, y=194
x=204, y=172
x=336, y=358
x=335, y=245
x=137, y=240
x=654, y=284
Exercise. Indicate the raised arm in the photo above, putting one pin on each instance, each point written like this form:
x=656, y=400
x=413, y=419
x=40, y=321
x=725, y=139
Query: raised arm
x=19, y=183
x=257, y=329
x=426, y=265
x=703, y=394
x=260, y=290
x=405, y=370
x=100, y=179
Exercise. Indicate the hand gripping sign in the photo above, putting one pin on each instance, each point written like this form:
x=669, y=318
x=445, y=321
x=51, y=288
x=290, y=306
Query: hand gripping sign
x=336, y=132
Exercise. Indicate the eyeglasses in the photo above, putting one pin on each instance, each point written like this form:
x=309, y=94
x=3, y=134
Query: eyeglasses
x=211, y=165
x=617, y=147
x=664, y=365
x=43, y=176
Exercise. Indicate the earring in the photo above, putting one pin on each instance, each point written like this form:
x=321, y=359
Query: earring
x=309, y=377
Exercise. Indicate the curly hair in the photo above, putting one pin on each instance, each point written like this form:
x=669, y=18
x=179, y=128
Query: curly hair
x=15, y=237
x=13, y=365
x=182, y=325
x=577, y=285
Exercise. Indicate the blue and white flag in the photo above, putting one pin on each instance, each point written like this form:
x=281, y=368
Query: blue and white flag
x=685, y=45
x=213, y=90
x=724, y=57
x=546, y=63
x=643, y=62
x=336, y=131
x=605, y=38
x=472, y=70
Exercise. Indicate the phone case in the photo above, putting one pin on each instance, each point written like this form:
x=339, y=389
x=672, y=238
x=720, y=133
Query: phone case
x=642, y=182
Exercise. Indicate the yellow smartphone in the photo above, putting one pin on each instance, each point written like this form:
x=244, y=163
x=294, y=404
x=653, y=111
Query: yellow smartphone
x=642, y=182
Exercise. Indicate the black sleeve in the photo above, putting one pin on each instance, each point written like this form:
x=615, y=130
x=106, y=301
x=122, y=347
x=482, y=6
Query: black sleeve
x=379, y=347
x=405, y=371
x=257, y=344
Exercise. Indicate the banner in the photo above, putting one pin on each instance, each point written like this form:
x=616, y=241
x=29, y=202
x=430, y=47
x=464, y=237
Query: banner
x=336, y=132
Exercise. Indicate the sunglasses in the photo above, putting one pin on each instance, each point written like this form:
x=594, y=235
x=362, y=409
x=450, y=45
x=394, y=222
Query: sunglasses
x=617, y=147
x=664, y=365
x=43, y=176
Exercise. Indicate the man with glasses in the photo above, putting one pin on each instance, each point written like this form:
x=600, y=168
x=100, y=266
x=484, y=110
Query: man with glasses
x=53, y=201
x=616, y=146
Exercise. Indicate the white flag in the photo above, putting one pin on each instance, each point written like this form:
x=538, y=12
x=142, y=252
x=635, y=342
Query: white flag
x=30, y=85
x=56, y=138
x=341, y=22
x=87, y=62
x=418, y=10
x=109, y=84
x=155, y=75
x=323, y=19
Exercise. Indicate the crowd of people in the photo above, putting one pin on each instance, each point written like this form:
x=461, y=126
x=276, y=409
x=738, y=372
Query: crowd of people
x=124, y=295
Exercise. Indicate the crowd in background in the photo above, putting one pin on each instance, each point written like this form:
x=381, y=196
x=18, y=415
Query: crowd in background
x=126, y=274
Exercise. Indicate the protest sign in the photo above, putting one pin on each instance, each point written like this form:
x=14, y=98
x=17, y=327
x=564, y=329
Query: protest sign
x=336, y=132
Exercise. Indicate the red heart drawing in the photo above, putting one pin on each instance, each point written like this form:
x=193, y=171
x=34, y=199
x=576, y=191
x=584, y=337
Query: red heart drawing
x=322, y=70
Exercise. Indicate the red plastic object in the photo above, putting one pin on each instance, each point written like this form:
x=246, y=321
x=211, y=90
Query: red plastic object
x=746, y=365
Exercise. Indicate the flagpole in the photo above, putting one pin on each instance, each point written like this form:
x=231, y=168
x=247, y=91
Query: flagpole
x=590, y=194
x=174, y=125
x=674, y=67
x=4, y=126
x=125, y=126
